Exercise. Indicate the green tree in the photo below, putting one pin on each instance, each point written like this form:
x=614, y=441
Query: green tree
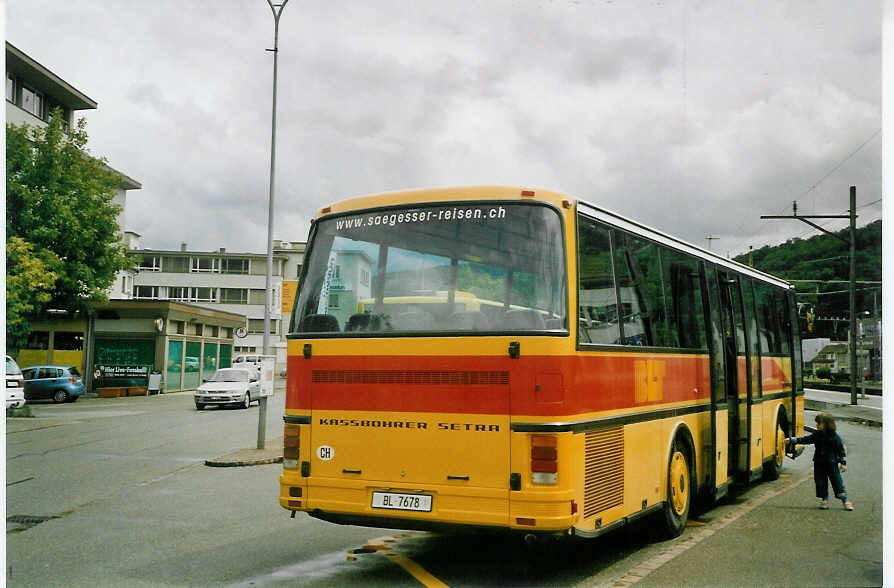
x=60, y=205
x=29, y=285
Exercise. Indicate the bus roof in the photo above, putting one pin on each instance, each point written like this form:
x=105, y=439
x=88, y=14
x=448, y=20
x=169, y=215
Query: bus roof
x=473, y=193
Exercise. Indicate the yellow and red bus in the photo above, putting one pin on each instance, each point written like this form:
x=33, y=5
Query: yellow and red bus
x=609, y=372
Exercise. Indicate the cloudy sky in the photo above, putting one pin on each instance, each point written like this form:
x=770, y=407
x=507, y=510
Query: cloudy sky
x=692, y=116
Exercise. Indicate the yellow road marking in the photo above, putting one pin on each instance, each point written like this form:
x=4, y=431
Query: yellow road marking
x=414, y=569
x=691, y=523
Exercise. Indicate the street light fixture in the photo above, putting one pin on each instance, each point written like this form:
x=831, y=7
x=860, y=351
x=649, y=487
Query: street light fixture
x=276, y=9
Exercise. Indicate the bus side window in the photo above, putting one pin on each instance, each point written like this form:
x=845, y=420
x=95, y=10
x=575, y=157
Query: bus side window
x=646, y=270
x=766, y=314
x=685, y=309
x=752, y=330
x=596, y=284
x=783, y=320
x=635, y=312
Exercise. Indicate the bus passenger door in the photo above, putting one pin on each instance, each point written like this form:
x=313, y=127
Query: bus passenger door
x=755, y=399
x=737, y=380
x=719, y=441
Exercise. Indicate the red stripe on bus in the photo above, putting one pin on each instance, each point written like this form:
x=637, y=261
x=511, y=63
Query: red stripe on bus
x=536, y=385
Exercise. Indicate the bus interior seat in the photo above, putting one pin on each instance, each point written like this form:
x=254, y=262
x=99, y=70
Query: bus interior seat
x=366, y=322
x=413, y=321
x=319, y=323
x=524, y=320
x=555, y=324
x=471, y=320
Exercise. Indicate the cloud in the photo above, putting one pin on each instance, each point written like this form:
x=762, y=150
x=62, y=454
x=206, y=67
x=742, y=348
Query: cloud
x=694, y=117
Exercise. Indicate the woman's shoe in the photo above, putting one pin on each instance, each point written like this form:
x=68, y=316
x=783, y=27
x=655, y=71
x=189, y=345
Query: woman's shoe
x=848, y=505
x=824, y=504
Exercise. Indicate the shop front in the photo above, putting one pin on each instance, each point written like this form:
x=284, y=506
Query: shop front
x=124, y=342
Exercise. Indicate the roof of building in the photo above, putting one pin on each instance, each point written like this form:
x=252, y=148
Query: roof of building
x=190, y=252
x=127, y=182
x=174, y=309
x=45, y=80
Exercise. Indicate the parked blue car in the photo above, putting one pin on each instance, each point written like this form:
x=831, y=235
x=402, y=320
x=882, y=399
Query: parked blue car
x=57, y=382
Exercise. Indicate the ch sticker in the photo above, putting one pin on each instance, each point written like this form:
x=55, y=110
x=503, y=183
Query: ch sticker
x=325, y=453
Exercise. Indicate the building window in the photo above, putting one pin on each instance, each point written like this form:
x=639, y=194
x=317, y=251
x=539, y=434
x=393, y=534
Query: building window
x=203, y=294
x=32, y=101
x=68, y=341
x=256, y=326
x=150, y=263
x=257, y=297
x=179, y=293
x=298, y=271
x=364, y=277
x=333, y=301
x=234, y=266
x=10, y=88
x=38, y=340
x=226, y=332
x=177, y=265
x=234, y=295
x=123, y=284
x=204, y=264
x=145, y=292
x=180, y=327
x=214, y=330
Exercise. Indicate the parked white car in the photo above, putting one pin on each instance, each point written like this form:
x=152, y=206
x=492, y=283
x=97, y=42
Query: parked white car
x=229, y=386
x=15, y=384
x=248, y=362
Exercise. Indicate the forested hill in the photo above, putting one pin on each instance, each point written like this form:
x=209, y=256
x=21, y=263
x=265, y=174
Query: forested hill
x=825, y=258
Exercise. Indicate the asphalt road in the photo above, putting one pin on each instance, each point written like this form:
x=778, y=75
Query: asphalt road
x=137, y=507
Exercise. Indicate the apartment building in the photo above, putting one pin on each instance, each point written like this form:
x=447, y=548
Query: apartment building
x=225, y=281
x=33, y=92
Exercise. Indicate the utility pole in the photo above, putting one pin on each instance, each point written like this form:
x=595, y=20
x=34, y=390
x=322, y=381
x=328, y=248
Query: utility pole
x=268, y=298
x=852, y=242
x=709, y=238
x=750, y=256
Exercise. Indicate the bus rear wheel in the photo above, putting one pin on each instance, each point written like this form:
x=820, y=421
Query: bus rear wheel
x=773, y=468
x=679, y=491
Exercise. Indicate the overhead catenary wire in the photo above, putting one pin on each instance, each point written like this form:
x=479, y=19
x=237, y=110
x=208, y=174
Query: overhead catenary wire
x=813, y=187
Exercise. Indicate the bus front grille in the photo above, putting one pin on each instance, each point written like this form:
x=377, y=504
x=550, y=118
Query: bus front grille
x=604, y=470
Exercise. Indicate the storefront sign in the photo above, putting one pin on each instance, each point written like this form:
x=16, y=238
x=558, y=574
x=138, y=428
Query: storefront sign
x=114, y=376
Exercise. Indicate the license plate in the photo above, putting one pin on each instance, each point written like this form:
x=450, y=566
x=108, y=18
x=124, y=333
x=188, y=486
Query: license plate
x=396, y=501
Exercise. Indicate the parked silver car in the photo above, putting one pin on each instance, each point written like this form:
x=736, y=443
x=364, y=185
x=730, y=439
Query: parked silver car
x=229, y=386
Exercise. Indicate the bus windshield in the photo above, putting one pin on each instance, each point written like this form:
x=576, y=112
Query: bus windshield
x=462, y=268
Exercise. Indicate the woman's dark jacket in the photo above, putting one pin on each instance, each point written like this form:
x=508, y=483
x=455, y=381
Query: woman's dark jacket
x=829, y=447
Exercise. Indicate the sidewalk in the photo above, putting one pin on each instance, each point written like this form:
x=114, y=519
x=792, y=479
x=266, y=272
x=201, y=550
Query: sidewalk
x=842, y=410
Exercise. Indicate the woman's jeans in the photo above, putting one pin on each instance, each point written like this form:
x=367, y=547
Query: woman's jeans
x=823, y=473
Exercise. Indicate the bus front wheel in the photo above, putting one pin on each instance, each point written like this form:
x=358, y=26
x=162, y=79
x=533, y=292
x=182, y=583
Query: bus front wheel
x=679, y=491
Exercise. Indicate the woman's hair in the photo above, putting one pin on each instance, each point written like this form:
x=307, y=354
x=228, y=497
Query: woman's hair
x=829, y=422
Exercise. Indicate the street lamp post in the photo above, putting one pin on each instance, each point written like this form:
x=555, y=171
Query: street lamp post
x=276, y=9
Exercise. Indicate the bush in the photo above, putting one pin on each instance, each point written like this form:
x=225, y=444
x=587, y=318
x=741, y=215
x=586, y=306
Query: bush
x=24, y=411
x=823, y=373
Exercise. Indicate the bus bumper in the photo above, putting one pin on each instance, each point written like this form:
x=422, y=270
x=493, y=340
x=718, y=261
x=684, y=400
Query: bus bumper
x=453, y=506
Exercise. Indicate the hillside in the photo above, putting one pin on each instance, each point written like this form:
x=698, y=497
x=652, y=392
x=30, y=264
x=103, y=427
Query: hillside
x=823, y=257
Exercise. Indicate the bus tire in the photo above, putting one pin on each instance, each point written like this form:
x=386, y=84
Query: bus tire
x=679, y=490
x=773, y=468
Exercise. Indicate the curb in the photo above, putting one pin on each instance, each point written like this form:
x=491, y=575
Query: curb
x=216, y=463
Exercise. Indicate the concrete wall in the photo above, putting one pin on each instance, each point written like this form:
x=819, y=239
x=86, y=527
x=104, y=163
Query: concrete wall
x=17, y=116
